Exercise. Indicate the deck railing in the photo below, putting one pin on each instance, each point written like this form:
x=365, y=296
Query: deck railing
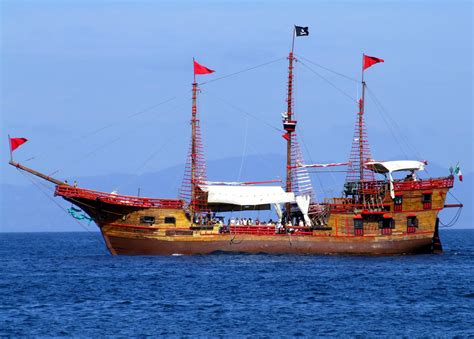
x=269, y=230
x=67, y=191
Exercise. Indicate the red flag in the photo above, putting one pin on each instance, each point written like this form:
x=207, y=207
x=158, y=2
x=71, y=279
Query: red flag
x=17, y=142
x=369, y=61
x=286, y=136
x=199, y=69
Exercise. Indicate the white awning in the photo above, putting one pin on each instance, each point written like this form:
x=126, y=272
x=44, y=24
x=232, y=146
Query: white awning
x=394, y=166
x=247, y=195
x=388, y=167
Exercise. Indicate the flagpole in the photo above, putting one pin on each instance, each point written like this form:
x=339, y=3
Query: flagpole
x=293, y=42
x=363, y=55
x=10, y=143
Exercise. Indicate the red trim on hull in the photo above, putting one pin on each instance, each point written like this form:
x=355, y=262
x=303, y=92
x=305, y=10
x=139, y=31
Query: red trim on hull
x=67, y=191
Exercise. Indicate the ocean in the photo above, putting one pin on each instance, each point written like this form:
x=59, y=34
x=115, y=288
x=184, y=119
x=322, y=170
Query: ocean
x=66, y=284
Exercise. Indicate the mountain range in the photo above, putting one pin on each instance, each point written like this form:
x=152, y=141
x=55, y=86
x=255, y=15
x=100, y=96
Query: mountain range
x=32, y=207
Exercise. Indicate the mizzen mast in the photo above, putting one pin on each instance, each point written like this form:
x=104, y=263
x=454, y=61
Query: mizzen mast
x=359, y=178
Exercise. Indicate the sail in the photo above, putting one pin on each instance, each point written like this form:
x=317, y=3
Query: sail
x=247, y=195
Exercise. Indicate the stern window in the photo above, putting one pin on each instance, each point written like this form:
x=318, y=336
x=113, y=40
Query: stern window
x=386, y=225
x=358, y=227
x=427, y=197
x=412, y=224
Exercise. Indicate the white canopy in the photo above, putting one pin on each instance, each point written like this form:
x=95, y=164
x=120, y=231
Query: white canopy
x=389, y=167
x=394, y=166
x=247, y=195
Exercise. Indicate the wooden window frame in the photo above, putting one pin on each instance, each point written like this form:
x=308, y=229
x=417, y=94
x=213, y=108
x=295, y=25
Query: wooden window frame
x=398, y=206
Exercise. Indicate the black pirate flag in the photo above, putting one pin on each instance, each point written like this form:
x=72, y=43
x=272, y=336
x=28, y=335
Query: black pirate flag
x=301, y=31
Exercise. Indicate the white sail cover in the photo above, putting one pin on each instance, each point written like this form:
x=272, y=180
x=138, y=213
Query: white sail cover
x=247, y=195
x=394, y=166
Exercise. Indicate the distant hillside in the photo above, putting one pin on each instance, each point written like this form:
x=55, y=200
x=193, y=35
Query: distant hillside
x=26, y=208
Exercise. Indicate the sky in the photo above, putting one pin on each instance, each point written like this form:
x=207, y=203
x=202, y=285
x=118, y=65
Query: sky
x=103, y=87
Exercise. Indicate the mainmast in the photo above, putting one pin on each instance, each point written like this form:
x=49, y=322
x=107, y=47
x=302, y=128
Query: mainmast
x=288, y=123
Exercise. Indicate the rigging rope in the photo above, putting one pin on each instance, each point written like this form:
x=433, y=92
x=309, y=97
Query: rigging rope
x=389, y=120
x=63, y=143
x=238, y=109
x=242, y=71
x=456, y=217
x=106, y=144
x=329, y=82
x=244, y=148
x=328, y=69
x=144, y=163
x=321, y=185
x=61, y=207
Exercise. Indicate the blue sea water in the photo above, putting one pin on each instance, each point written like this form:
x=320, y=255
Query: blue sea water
x=66, y=284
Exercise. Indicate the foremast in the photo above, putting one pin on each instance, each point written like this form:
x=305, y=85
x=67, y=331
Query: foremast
x=195, y=172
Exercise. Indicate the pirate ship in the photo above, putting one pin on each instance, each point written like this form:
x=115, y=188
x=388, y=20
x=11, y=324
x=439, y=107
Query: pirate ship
x=376, y=216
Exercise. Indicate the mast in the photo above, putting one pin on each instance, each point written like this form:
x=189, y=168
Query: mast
x=358, y=179
x=361, y=141
x=194, y=122
x=195, y=171
x=289, y=125
x=289, y=115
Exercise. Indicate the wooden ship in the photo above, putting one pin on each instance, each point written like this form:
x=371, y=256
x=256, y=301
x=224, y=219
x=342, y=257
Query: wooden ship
x=372, y=217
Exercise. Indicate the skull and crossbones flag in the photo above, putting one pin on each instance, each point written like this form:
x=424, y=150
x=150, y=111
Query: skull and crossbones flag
x=301, y=31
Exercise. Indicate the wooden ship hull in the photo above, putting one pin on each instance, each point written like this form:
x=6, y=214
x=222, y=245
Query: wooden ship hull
x=146, y=226
x=153, y=244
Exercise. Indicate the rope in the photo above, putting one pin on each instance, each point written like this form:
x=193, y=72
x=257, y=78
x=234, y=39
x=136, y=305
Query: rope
x=330, y=83
x=456, y=217
x=144, y=163
x=453, y=221
x=389, y=120
x=242, y=71
x=61, y=207
x=244, y=148
x=108, y=143
x=240, y=110
x=63, y=143
x=387, y=123
x=328, y=69
x=310, y=159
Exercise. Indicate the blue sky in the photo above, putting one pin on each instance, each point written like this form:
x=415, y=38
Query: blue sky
x=70, y=68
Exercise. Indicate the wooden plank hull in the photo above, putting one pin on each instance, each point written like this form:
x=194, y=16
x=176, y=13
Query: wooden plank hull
x=120, y=245
x=143, y=226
